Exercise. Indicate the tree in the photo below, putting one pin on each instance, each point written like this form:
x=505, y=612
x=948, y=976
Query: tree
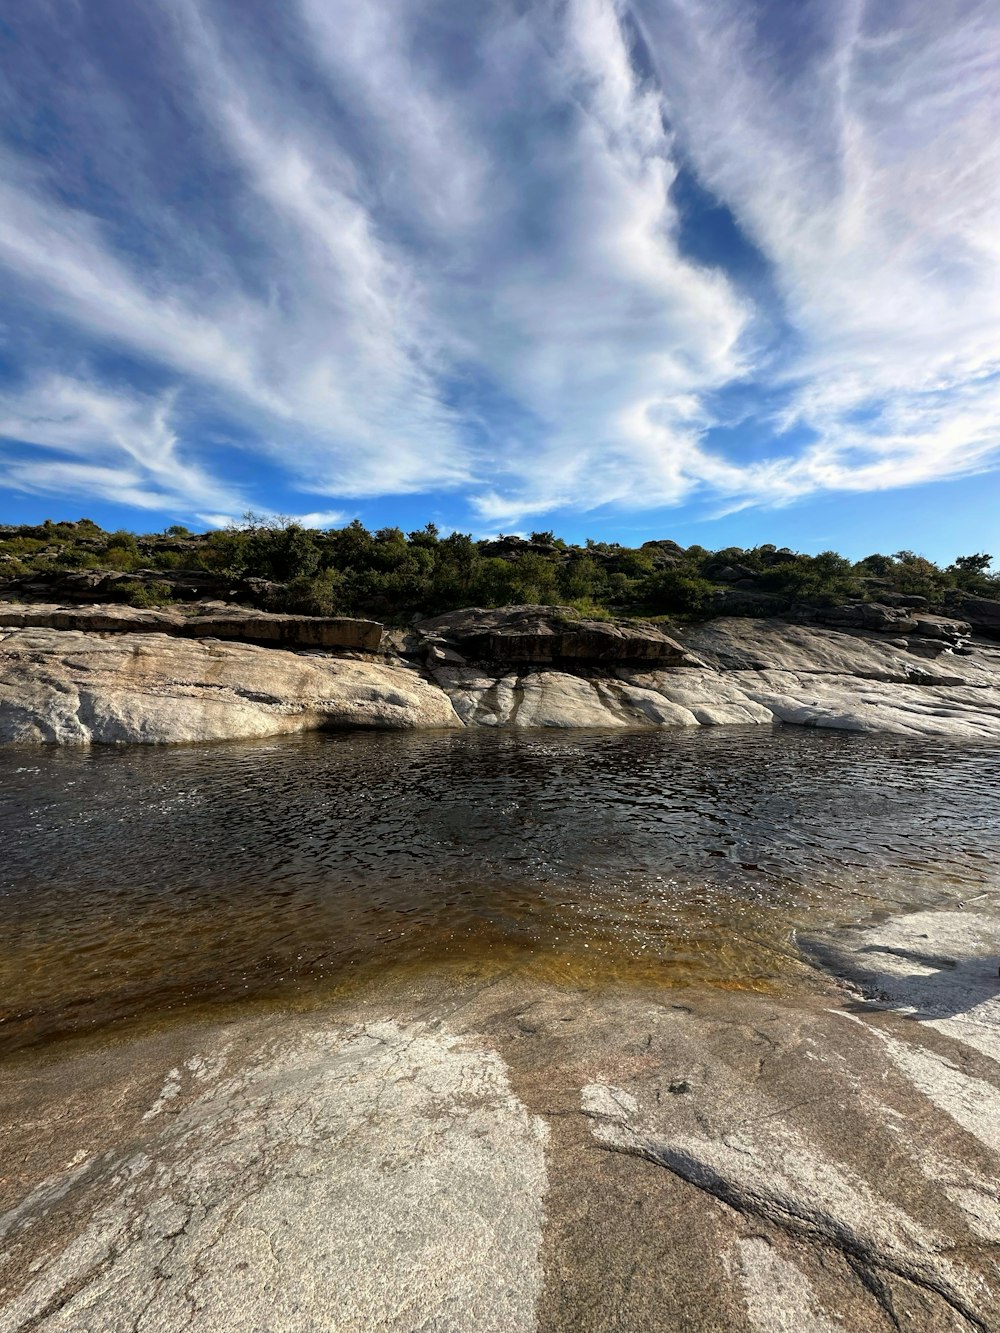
x=973, y=564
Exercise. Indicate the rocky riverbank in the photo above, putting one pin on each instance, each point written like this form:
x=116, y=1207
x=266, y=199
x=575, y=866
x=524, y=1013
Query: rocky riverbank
x=499, y=1156
x=112, y=674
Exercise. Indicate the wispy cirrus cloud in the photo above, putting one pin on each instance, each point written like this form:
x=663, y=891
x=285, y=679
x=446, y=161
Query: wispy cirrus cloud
x=855, y=145
x=63, y=436
x=426, y=247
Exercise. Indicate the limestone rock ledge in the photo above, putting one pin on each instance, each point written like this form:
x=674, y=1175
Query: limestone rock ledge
x=743, y=672
x=70, y=687
x=64, y=685
x=215, y=620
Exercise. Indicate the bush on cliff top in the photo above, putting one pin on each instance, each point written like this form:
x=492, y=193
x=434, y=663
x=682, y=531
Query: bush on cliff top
x=392, y=576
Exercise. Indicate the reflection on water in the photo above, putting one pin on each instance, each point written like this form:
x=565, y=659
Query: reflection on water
x=136, y=880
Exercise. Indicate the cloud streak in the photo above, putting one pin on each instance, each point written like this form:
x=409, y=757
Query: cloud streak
x=434, y=248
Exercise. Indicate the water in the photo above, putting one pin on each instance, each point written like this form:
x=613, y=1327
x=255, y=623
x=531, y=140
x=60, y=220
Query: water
x=135, y=882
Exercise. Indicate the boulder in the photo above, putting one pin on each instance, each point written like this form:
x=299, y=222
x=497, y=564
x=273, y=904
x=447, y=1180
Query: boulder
x=860, y=615
x=731, y=573
x=982, y=613
x=941, y=627
x=546, y=634
x=664, y=553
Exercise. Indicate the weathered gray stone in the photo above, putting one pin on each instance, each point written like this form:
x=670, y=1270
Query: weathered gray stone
x=375, y=1177
x=861, y=615
x=216, y=621
x=549, y=634
x=492, y=1153
x=62, y=685
x=982, y=613
x=67, y=687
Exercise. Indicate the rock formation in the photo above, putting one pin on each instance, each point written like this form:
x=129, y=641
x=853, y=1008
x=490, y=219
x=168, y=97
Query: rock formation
x=502, y=1156
x=208, y=621
x=114, y=674
x=549, y=634
x=70, y=687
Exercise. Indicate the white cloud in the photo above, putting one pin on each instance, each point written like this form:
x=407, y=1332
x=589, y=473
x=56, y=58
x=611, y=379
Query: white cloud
x=469, y=269
x=121, y=446
x=867, y=175
x=319, y=518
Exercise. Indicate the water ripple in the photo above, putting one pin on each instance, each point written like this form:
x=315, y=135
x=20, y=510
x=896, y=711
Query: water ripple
x=136, y=880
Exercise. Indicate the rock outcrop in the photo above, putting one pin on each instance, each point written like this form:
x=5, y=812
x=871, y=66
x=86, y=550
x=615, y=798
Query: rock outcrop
x=739, y=672
x=901, y=617
x=103, y=585
x=982, y=613
x=549, y=634
x=516, y=668
x=69, y=687
x=215, y=621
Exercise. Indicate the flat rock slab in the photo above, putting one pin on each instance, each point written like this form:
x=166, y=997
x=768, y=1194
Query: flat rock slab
x=225, y=622
x=350, y=1179
x=546, y=634
x=452, y=1153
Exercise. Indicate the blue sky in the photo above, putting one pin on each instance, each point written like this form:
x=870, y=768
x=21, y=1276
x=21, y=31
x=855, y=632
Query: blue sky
x=712, y=269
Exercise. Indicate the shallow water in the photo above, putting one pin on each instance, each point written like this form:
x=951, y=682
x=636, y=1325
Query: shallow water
x=137, y=881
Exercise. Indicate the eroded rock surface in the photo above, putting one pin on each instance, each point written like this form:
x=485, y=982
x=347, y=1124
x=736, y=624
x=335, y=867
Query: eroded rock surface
x=210, y=620
x=492, y=1154
x=379, y=1176
x=68, y=687
x=548, y=634
x=740, y=672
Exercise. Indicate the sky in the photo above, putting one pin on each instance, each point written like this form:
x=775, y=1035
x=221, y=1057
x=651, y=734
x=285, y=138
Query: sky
x=726, y=271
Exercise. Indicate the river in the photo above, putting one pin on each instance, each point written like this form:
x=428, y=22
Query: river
x=136, y=883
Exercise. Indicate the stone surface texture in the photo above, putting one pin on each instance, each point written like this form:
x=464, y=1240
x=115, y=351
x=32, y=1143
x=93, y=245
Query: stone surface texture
x=982, y=613
x=68, y=687
x=739, y=672
x=491, y=1154
x=104, y=684
x=545, y=634
x=209, y=620
x=257, y=1194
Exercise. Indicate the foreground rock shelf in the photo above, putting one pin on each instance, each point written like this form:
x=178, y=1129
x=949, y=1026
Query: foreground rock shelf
x=112, y=675
x=493, y=1155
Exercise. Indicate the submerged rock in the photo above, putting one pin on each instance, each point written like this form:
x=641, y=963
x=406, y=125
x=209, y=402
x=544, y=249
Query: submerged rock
x=497, y=1155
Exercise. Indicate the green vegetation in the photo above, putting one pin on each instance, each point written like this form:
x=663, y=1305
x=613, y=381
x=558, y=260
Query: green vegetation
x=144, y=594
x=392, y=576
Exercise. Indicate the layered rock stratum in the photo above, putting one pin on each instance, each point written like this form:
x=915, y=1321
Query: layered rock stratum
x=109, y=674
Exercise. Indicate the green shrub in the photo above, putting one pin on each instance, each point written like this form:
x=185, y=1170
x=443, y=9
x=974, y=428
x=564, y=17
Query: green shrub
x=144, y=594
x=677, y=590
x=122, y=540
x=313, y=595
